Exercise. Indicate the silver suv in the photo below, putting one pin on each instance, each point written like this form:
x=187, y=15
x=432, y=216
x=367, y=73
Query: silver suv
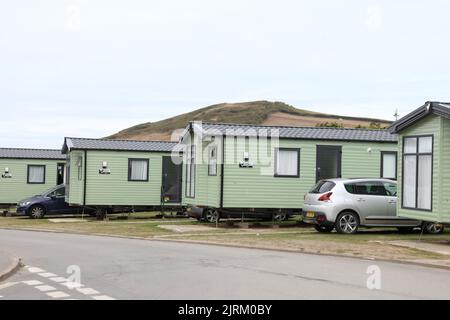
x=347, y=204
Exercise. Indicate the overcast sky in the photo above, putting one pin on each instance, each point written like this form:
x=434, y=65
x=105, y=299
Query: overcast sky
x=89, y=68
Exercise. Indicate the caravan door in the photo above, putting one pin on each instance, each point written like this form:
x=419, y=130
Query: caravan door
x=171, y=181
x=328, y=162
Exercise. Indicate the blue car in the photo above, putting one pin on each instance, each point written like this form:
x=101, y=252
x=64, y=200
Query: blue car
x=50, y=202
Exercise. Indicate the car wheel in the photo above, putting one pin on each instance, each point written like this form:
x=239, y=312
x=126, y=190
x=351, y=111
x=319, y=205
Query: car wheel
x=280, y=217
x=37, y=212
x=434, y=228
x=323, y=228
x=347, y=223
x=212, y=216
x=405, y=229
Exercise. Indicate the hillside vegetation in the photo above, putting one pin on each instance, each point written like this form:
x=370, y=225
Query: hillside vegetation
x=256, y=112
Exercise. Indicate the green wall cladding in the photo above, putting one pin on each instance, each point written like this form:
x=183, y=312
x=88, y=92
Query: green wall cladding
x=248, y=188
x=114, y=189
x=429, y=125
x=444, y=173
x=16, y=188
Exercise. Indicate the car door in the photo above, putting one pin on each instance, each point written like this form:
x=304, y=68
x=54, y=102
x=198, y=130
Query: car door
x=369, y=198
x=392, y=219
x=391, y=191
x=386, y=194
x=57, y=202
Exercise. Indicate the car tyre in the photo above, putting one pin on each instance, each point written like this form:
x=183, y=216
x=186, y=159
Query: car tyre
x=324, y=228
x=37, y=212
x=434, y=228
x=212, y=216
x=347, y=223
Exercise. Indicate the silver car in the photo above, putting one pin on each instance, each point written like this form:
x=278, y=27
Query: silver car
x=347, y=204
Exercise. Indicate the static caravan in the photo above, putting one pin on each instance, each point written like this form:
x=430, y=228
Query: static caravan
x=231, y=168
x=27, y=172
x=114, y=175
x=424, y=166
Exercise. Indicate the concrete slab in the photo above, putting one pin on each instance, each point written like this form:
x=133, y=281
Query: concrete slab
x=66, y=220
x=186, y=228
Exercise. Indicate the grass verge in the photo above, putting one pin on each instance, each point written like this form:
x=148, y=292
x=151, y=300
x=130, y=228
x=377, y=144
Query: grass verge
x=368, y=243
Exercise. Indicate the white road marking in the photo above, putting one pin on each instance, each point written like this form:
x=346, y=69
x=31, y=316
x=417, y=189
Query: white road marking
x=102, y=298
x=58, y=294
x=7, y=285
x=47, y=274
x=72, y=285
x=45, y=288
x=59, y=279
x=87, y=291
x=32, y=282
x=50, y=291
x=35, y=270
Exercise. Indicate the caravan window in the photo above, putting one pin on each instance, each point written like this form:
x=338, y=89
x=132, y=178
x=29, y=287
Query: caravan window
x=36, y=174
x=190, y=172
x=212, y=165
x=417, y=172
x=389, y=165
x=138, y=169
x=287, y=162
x=80, y=168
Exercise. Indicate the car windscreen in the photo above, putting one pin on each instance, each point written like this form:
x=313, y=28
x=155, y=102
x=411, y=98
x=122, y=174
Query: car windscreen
x=52, y=190
x=47, y=192
x=323, y=186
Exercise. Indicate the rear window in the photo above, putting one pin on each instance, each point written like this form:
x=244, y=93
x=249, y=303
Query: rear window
x=323, y=186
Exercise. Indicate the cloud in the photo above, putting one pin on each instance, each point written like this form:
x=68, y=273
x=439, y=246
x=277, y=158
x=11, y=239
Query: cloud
x=91, y=68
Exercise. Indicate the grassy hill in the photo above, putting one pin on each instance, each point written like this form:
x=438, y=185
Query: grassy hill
x=256, y=112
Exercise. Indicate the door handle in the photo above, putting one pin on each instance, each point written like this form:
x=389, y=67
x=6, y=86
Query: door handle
x=361, y=200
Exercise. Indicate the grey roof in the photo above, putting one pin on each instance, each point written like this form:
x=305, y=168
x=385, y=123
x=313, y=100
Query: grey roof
x=43, y=154
x=117, y=145
x=305, y=133
x=431, y=107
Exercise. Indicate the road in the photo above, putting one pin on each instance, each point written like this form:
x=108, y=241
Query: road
x=115, y=268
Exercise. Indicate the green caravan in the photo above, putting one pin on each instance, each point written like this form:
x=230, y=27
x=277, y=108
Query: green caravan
x=119, y=175
x=230, y=169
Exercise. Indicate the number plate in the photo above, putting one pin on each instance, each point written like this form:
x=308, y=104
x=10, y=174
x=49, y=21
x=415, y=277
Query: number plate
x=310, y=214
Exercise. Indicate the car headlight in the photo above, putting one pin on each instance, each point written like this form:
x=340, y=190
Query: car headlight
x=23, y=204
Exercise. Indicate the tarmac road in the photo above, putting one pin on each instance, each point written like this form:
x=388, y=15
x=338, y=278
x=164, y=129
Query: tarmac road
x=115, y=268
